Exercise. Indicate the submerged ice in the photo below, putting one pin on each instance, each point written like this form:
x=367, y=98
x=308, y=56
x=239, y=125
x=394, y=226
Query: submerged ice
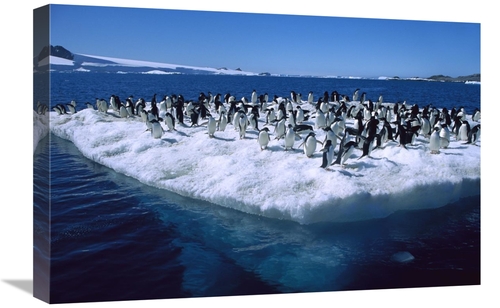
x=235, y=171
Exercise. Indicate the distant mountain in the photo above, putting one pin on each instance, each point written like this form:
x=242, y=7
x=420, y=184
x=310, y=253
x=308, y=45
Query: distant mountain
x=57, y=51
x=59, y=59
x=475, y=78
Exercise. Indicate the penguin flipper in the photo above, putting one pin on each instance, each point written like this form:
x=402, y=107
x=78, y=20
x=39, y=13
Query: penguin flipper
x=339, y=158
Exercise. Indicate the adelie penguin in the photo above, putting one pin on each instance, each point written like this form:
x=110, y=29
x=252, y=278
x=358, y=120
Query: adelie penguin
x=476, y=116
x=43, y=108
x=254, y=97
x=280, y=129
x=368, y=144
x=345, y=152
x=463, y=131
x=263, y=102
x=303, y=129
x=129, y=106
x=330, y=135
x=71, y=107
x=310, y=97
x=270, y=115
x=310, y=145
x=320, y=119
x=435, y=141
x=444, y=135
x=299, y=115
x=405, y=135
x=253, y=120
x=211, y=126
x=289, y=138
x=113, y=102
x=60, y=109
x=355, y=95
x=324, y=106
x=425, y=129
x=194, y=117
x=156, y=129
x=170, y=121
x=263, y=138
x=140, y=105
x=123, y=111
x=144, y=116
x=236, y=118
x=102, y=105
x=179, y=112
x=474, y=134
x=222, y=121
x=328, y=154
x=243, y=124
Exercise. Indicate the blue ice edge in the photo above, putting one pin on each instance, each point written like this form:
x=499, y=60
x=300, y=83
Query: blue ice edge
x=365, y=206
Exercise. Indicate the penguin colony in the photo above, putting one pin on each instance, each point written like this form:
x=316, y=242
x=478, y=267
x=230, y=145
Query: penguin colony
x=352, y=127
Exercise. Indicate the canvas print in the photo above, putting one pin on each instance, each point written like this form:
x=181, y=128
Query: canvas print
x=182, y=154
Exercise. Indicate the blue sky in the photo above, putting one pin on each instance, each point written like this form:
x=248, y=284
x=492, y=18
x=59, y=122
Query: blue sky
x=275, y=43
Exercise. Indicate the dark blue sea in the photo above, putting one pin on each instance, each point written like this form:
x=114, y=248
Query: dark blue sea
x=114, y=238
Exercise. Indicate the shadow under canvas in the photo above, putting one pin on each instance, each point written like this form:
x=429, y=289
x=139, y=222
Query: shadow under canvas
x=22, y=284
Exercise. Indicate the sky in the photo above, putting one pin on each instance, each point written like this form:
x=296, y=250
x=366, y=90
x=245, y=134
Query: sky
x=274, y=43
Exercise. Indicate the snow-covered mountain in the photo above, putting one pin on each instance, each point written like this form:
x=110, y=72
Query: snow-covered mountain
x=62, y=60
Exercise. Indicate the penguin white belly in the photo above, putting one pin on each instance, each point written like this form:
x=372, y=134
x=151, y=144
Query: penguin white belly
x=324, y=107
x=236, y=122
x=280, y=129
x=211, y=127
x=426, y=128
x=253, y=121
x=462, y=133
x=435, y=142
x=156, y=130
x=243, y=126
x=123, y=112
x=320, y=120
x=223, y=123
x=310, y=146
x=444, y=135
x=289, y=139
x=300, y=116
x=263, y=139
x=331, y=136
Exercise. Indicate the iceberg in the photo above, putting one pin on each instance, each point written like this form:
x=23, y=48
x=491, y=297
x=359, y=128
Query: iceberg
x=402, y=257
x=236, y=173
x=91, y=63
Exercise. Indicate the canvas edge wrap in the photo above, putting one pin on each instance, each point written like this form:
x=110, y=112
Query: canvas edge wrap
x=41, y=213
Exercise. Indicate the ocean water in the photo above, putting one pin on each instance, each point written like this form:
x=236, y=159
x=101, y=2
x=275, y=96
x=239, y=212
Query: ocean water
x=114, y=238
